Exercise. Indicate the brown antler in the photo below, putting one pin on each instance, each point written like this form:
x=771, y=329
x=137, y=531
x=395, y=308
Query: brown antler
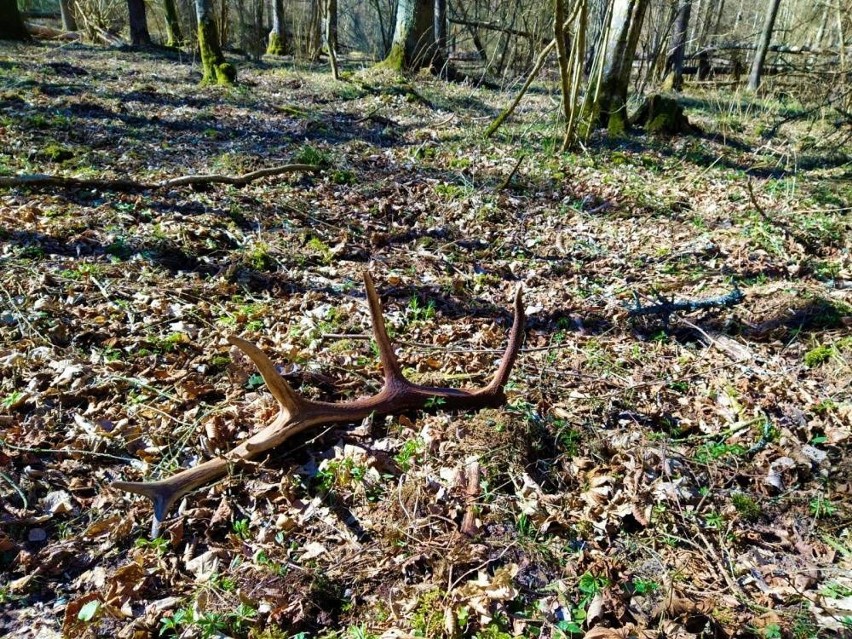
x=298, y=414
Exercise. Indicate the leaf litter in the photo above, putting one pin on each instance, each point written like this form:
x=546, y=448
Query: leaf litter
x=685, y=479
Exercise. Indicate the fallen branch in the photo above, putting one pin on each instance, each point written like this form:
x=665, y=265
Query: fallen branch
x=39, y=180
x=666, y=306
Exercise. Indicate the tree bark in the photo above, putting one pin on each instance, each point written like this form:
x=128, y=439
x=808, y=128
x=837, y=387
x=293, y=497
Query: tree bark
x=277, y=36
x=440, y=28
x=139, y=35
x=675, y=61
x=66, y=10
x=174, y=37
x=330, y=23
x=215, y=69
x=11, y=24
x=609, y=109
x=413, y=44
x=763, y=45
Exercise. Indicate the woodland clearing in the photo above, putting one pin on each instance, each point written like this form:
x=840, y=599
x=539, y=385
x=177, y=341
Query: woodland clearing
x=685, y=475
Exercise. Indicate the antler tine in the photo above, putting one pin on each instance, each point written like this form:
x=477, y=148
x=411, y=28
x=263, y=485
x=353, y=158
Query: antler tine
x=280, y=389
x=516, y=336
x=390, y=364
x=158, y=492
x=164, y=493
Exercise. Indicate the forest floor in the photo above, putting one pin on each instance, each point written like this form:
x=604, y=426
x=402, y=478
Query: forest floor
x=679, y=476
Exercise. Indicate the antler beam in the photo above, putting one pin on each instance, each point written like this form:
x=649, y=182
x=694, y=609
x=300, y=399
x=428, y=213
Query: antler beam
x=298, y=414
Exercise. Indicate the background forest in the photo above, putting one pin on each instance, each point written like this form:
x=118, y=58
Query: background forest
x=665, y=182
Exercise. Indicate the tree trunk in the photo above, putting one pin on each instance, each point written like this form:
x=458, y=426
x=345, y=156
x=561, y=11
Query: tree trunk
x=139, y=35
x=11, y=23
x=763, y=45
x=414, y=37
x=674, y=79
x=330, y=23
x=277, y=36
x=610, y=107
x=216, y=70
x=440, y=30
x=66, y=10
x=173, y=33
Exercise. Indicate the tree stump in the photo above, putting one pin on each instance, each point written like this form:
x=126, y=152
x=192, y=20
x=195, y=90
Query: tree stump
x=662, y=114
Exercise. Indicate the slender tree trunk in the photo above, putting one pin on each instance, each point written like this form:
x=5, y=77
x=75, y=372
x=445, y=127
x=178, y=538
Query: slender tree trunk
x=277, y=44
x=216, y=70
x=139, y=35
x=610, y=107
x=66, y=10
x=413, y=38
x=763, y=45
x=224, y=23
x=841, y=38
x=11, y=24
x=174, y=37
x=331, y=36
x=716, y=23
x=823, y=23
x=675, y=62
x=562, y=56
x=439, y=29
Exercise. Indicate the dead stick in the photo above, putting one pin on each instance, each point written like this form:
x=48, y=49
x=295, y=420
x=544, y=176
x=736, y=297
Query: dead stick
x=39, y=180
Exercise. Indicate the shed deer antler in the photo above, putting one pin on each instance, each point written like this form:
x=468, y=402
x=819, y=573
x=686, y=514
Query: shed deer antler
x=298, y=414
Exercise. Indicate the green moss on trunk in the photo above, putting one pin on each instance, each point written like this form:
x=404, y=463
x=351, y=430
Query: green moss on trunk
x=174, y=37
x=275, y=46
x=395, y=60
x=216, y=70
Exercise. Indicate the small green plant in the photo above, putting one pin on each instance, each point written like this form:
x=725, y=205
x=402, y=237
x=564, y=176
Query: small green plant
x=717, y=450
x=259, y=257
x=428, y=617
x=159, y=544
x=819, y=355
x=772, y=631
x=339, y=473
x=714, y=520
x=319, y=247
x=241, y=528
x=821, y=507
x=181, y=617
x=408, y=454
x=343, y=177
x=12, y=399
x=311, y=155
x=435, y=402
x=746, y=506
x=360, y=632
x=645, y=586
x=589, y=585
x=418, y=312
